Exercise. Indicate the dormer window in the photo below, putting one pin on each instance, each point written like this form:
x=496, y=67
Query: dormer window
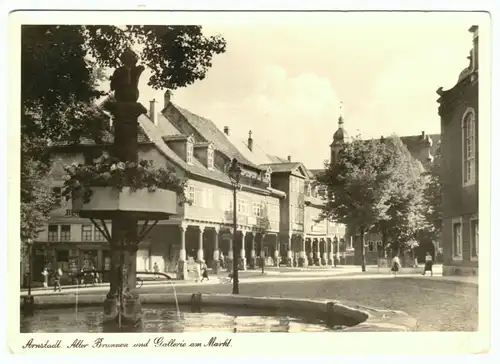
x=189, y=152
x=268, y=176
x=210, y=158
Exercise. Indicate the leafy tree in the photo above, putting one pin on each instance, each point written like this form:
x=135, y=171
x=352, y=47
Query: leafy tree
x=433, y=193
x=404, y=217
x=357, y=186
x=61, y=66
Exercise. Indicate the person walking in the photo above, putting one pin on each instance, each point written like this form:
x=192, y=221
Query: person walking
x=45, y=274
x=57, y=279
x=156, y=269
x=396, y=264
x=428, y=264
x=204, y=272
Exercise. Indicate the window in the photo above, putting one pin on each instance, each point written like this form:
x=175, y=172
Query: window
x=98, y=235
x=457, y=239
x=53, y=233
x=192, y=195
x=371, y=246
x=268, y=175
x=87, y=232
x=469, y=147
x=474, y=238
x=257, y=209
x=242, y=207
x=189, y=153
x=210, y=158
x=65, y=232
x=56, y=193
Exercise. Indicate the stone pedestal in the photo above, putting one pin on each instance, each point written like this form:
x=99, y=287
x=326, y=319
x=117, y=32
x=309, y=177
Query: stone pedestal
x=324, y=259
x=182, y=270
x=242, y=264
x=289, y=258
x=302, y=260
x=330, y=259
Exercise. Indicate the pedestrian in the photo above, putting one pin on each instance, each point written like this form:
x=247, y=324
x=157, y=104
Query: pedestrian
x=221, y=260
x=45, y=274
x=57, y=279
x=156, y=269
x=396, y=264
x=428, y=264
x=204, y=273
x=198, y=271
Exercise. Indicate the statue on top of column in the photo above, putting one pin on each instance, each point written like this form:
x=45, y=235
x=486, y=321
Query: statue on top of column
x=125, y=79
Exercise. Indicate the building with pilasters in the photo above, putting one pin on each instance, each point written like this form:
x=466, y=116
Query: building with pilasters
x=459, y=112
x=276, y=203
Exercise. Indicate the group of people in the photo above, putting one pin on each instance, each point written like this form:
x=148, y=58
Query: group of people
x=396, y=264
x=56, y=275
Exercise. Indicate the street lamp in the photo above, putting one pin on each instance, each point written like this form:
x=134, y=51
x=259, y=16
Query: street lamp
x=234, y=176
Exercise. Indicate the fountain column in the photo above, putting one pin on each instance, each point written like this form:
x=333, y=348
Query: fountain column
x=216, y=262
x=200, y=256
x=122, y=302
x=182, y=265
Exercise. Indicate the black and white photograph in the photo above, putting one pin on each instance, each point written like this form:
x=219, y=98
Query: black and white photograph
x=286, y=173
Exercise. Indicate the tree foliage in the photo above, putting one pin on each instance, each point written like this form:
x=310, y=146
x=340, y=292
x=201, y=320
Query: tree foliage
x=61, y=66
x=376, y=185
x=433, y=197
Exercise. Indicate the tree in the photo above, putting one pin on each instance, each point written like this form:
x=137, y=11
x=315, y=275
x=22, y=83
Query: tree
x=357, y=186
x=61, y=66
x=404, y=217
x=433, y=194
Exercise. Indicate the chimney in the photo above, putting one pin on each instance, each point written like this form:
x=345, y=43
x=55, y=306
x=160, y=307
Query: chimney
x=152, y=113
x=289, y=158
x=166, y=98
x=250, y=141
x=226, y=130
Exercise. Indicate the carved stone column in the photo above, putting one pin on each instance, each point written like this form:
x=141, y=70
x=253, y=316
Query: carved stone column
x=182, y=264
x=252, y=262
x=330, y=251
x=230, y=256
x=318, y=253
x=324, y=256
x=289, y=253
x=303, y=258
x=216, y=262
x=277, y=251
x=199, y=256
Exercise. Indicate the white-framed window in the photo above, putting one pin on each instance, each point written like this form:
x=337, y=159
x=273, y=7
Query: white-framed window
x=57, y=194
x=257, y=209
x=65, y=232
x=87, y=230
x=98, y=235
x=210, y=158
x=53, y=233
x=469, y=147
x=242, y=207
x=474, y=238
x=457, y=239
x=192, y=194
x=189, y=153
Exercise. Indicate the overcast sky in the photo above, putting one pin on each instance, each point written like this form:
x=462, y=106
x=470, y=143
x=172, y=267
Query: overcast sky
x=284, y=81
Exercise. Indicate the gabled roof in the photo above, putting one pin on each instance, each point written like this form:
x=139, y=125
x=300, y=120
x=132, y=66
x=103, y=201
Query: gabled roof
x=415, y=143
x=210, y=132
x=289, y=167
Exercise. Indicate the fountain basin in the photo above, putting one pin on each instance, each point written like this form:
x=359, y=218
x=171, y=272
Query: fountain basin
x=327, y=314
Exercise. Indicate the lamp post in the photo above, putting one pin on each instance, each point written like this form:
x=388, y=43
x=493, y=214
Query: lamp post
x=28, y=301
x=234, y=176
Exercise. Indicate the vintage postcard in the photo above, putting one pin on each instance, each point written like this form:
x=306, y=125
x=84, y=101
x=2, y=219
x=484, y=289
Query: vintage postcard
x=208, y=183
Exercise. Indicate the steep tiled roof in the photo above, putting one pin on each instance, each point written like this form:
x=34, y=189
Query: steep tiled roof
x=415, y=144
x=197, y=168
x=212, y=133
x=275, y=159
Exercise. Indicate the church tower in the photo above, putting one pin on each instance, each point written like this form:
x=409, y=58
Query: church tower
x=339, y=139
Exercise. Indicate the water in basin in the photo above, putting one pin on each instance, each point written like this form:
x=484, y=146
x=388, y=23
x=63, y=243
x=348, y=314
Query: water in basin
x=161, y=318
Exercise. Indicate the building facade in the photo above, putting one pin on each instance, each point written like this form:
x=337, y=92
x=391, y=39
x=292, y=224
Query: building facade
x=458, y=109
x=274, y=207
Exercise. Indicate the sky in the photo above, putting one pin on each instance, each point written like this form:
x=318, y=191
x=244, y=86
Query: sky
x=284, y=81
